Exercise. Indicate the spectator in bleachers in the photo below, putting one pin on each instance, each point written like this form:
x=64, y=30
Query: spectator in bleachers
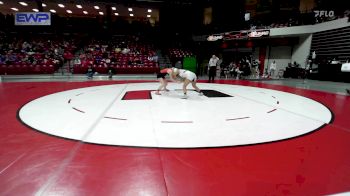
x=108, y=60
x=110, y=72
x=231, y=68
x=238, y=71
x=137, y=60
x=255, y=68
x=90, y=72
x=77, y=61
x=125, y=51
x=178, y=64
x=155, y=58
x=295, y=64
x=246, y=70
x=2, y=58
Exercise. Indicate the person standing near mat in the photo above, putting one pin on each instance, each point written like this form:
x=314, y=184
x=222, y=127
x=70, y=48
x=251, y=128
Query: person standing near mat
x=163, y=82
x=212, y=67
x=273, y=67
x=187, y=77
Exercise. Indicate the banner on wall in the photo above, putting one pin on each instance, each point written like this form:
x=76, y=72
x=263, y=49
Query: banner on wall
x=214, y=37
x=324, y=13
x=236, y=35
x=257, y=33
x=33, y=18
x=345, y=67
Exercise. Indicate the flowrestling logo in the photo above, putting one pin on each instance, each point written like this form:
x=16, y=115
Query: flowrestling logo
x=33, y=18
x=324, y=13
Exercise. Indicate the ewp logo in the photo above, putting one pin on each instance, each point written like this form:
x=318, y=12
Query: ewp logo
x=33, y=18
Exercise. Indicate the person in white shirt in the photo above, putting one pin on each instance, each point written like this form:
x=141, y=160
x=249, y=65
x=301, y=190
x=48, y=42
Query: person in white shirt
x=212, y=67
x=77, y=61
x=187, y=77
x=272, y=69
x=348, y=89
x=313, y=56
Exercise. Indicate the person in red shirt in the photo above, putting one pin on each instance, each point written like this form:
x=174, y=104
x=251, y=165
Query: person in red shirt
x=163, y=82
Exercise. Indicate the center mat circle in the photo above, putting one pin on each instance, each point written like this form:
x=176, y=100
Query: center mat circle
x=133, y=115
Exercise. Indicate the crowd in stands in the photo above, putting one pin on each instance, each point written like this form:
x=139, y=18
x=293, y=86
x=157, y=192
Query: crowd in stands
x=121, y=55
x=46, y=53
x=34, y=55
x=177, y=54
x=307, y=18
x=242, y=68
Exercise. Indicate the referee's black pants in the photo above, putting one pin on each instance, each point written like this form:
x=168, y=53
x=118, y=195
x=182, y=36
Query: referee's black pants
x=212, y=73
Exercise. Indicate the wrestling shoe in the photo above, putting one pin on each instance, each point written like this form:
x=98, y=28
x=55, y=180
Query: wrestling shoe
x=184, y=97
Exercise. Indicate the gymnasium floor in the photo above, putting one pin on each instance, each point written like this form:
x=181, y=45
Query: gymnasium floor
x=70, y=136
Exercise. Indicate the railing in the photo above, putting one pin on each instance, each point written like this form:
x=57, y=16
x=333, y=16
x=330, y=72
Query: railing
x=332, y=44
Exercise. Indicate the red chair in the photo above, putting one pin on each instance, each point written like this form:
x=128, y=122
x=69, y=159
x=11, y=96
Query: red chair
x=44, y=69
x=18, y=69
x=25, y=69
x=10, y=70
x=30, y=69
x=75, y=68
x=51, y=69
x=3, y=69
x=37, y=69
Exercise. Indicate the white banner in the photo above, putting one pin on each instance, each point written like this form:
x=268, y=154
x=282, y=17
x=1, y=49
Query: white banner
x=345, y=67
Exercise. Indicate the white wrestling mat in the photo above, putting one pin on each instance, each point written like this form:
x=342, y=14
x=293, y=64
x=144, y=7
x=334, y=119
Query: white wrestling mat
x=101, y=115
